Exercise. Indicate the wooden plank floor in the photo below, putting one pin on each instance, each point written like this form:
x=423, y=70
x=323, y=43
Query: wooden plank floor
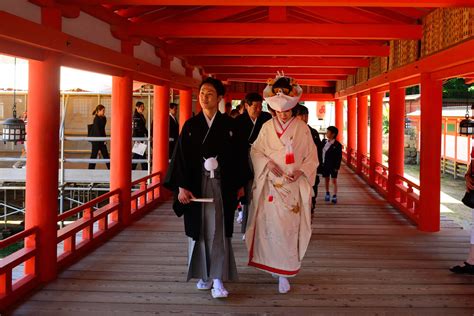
x=364, y=259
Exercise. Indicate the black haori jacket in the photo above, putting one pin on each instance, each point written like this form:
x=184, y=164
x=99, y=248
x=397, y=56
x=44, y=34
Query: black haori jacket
x=186, y=167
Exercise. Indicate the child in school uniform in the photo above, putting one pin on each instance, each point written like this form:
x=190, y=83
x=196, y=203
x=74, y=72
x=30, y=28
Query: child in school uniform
x=331, y=162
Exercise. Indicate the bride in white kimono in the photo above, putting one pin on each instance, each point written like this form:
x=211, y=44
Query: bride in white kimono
x=285, y=159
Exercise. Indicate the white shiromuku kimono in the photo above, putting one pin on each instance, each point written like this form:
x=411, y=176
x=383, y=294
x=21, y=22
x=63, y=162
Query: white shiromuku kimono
x=279, y=228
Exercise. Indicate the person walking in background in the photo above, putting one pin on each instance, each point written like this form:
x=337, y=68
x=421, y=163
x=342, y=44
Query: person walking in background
x=139, y=130
x=234, y=113
x=302, y=113
x=332, y=156
x=98, y=130
x=173, y=129
x=228, y=108
x=248, y=126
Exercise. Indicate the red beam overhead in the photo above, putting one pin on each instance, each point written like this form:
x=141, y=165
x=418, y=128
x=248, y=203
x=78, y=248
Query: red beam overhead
x=269, y=76
x=303, y=82
x=311, y=3
x=32, y=35
x=280, y=50
x=280, y=62
x=439, y=64
x=275, y=30
x=273, y=70
x=213, y=14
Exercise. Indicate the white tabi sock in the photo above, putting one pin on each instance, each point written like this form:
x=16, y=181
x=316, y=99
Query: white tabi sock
x=283, y=285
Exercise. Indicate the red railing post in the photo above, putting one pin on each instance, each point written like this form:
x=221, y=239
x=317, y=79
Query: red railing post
x=88, y=232
x=430, y=182
x=142, y=199
x=396, y=142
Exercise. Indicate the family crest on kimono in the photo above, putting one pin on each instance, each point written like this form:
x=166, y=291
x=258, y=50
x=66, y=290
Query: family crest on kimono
x=284, y=160
x=207, y=173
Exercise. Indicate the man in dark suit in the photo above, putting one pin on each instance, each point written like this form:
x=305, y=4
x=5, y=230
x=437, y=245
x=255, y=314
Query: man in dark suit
x=248, y=126
x=332, y=156
x=173, y=128
x=302, y=113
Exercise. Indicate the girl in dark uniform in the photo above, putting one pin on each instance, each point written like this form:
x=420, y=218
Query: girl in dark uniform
x=98, y=130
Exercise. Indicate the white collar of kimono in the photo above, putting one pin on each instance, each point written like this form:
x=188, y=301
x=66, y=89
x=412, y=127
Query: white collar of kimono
x=210, y=121
x=285, y=125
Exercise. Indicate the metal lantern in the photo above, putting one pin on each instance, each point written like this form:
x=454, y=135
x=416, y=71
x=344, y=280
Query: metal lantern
x=466, y=126
x=14, y=129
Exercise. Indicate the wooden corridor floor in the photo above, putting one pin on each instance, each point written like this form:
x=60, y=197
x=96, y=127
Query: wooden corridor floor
x=364, y=259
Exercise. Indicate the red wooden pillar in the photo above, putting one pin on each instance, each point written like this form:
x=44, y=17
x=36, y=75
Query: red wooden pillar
x=161, y=132
x=42, y=159
x=362, y=122
x=339, y=109
x=351, y=126
x=396, y=138
x=121, y=143
x=185, y=106
x=376, y=131
x=430, y=185
x=121, y=138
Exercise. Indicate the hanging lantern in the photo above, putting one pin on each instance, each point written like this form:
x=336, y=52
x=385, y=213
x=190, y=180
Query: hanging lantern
x=466, y=126
x=14, y=129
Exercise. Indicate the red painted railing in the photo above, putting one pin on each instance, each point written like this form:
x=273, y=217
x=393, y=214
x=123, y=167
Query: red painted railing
x=148, y=192
x=344, y=153
x=365, y=167
x=407, y=197
x=381, y=178
x=11, y=289
x=95, y=223
x=353, y=159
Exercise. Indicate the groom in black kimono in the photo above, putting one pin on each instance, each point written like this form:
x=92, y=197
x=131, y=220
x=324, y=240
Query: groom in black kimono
x=209, y=162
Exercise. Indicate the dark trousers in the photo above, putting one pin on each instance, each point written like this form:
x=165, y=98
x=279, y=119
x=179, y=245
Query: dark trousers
x=144, y=164
x=102, y=147
x=315, y=189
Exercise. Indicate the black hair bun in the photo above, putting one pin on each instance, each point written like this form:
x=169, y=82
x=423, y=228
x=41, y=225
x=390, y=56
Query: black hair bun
x=283, y=84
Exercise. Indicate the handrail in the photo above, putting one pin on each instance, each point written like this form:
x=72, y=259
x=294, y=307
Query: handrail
x=365, y=166
x=17, y=237
x=406, y=199
x=153, y=175
x=146, y=194
x=87, y=231
x=409, y=182
x=87, y=205
x=98, y=139
x=381, y=178
x=10, y=289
